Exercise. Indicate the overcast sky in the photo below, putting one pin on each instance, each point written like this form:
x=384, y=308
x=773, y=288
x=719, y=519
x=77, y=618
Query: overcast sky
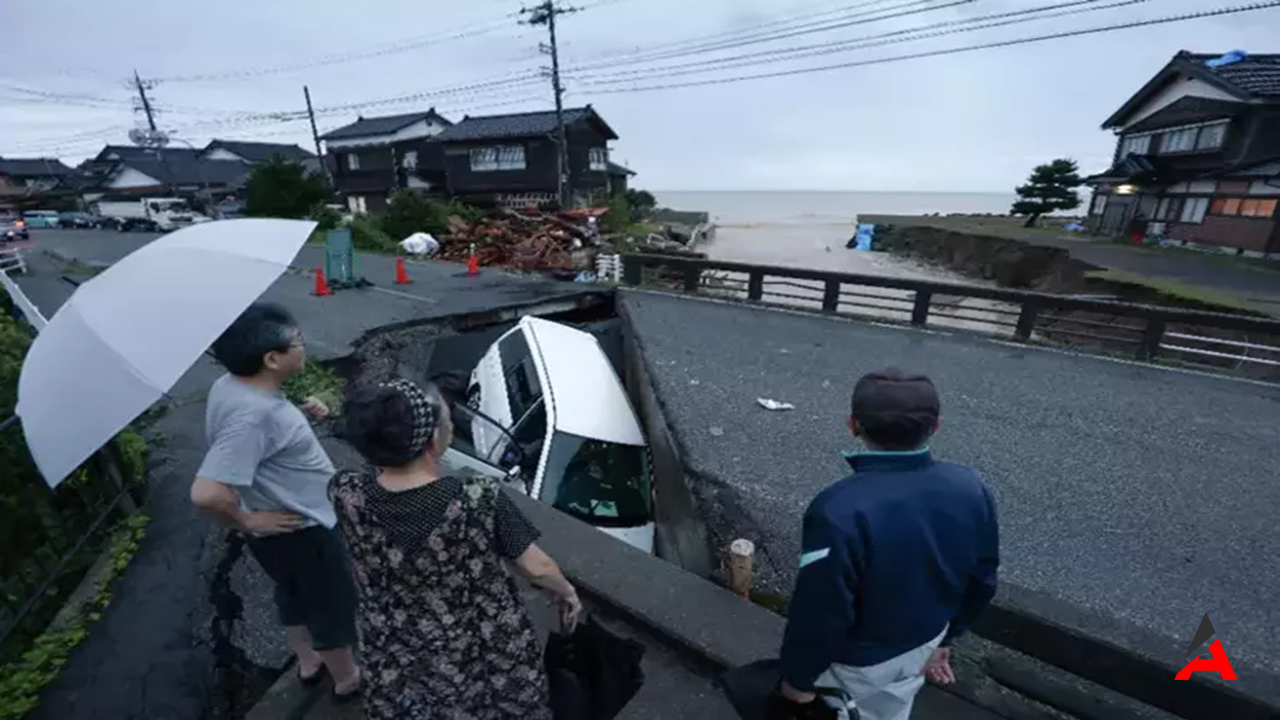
x=967, y=122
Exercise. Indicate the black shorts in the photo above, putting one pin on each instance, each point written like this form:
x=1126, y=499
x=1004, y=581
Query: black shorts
x=313, y=583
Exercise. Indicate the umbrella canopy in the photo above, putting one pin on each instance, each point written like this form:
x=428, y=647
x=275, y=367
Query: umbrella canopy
x=125, y=337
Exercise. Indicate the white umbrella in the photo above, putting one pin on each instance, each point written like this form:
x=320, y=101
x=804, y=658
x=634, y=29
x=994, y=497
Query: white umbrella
x=126, y=336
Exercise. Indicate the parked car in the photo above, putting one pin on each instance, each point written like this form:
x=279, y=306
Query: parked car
x=13, y=228
x=41, y=218
x=79, y=220
x=548, y=400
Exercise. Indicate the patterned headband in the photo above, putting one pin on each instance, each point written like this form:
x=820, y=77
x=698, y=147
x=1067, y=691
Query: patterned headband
x=426, y=416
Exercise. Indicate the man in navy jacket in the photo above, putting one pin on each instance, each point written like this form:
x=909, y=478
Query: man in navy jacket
x=897, y=561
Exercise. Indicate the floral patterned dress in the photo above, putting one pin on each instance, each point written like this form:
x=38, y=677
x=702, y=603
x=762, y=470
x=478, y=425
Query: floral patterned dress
x=444, y=634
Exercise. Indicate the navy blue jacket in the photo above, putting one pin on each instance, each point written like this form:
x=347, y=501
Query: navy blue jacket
x=890, y=556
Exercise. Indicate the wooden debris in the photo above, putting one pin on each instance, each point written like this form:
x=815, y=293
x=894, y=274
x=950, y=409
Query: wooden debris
x=524, y=240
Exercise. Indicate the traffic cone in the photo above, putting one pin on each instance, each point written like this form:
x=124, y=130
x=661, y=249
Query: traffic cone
x=322, y=286
x=402, y=276
x=473, y=263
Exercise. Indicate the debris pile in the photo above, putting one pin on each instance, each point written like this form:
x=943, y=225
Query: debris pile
x=528, y=240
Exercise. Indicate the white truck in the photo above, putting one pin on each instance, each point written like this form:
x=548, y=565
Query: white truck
x=156, y=214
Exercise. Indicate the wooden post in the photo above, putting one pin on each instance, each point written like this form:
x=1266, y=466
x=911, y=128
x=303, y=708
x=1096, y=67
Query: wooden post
x=1149, y=348
x=831, y=296
x=920, y=310
x=755, y=285
x=741, y=556
x=1026, y=321
x=632, y=270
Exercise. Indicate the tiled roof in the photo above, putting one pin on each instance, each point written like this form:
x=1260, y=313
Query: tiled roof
x=135, y=152
x=516, y=125
x=188, y=170
x=1255, y=74
x=33, y=167
x=616, y=169
x=1186, y=110
x=385, y=125
x=256, y=152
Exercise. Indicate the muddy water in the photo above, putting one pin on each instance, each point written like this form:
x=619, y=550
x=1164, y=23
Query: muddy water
x=820, y=245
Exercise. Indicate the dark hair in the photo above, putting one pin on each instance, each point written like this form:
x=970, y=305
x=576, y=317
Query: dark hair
x=895, y=410
x=379, y=423
x=262, y=328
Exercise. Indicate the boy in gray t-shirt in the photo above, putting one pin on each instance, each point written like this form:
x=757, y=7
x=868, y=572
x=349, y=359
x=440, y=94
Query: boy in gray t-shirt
x=267, y=475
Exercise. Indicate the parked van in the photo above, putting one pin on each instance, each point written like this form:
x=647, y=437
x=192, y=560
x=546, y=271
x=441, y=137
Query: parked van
x=549, y=401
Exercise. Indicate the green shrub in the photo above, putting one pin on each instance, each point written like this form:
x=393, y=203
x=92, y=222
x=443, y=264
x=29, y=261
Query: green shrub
x=319, y=381
x=22, y=681
x=368, y=235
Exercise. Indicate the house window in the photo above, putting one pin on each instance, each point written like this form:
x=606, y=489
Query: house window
x=1168, y=208
x=410, y=161
x=1193, y=210
x=598, y=159
x=1135, y=145
x=1258, y=207
x=508, y=157
x=353, y=161
x=1212, y=136
x=1179, y=141
x=1099, y=204
x=1225, y=206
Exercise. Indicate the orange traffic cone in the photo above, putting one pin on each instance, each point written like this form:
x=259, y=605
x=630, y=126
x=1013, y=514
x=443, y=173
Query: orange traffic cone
x=322, y=287
x=402, y=276
x=473, y=263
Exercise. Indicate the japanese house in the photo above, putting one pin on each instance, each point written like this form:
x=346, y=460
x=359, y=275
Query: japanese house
x=254, y=152
x=513, y=158
x=1197, y=156
x=28, y=182
x=373, y=157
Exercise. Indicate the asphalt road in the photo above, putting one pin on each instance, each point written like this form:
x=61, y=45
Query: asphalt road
x=1129, y=495
x=151, y=656
x=333, y=323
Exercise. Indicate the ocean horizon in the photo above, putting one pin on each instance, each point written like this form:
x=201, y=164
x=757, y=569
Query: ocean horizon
x=826, y=207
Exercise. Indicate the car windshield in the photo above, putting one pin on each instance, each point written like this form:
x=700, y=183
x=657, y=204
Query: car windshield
x=600, y=482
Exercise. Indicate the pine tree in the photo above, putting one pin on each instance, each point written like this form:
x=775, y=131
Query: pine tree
x=1050, y=188
x=282, y=189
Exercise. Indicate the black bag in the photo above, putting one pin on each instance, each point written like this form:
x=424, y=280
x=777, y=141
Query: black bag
x=753, y=691
x=593, y=673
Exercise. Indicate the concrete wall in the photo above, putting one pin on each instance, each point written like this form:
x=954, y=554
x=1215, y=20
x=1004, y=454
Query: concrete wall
x=681, y=535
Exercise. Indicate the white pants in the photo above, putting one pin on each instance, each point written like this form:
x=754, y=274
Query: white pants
x=884, y=691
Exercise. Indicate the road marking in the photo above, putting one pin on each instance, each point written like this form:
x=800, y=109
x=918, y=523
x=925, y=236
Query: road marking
x=405, y=295
x=1136, y=363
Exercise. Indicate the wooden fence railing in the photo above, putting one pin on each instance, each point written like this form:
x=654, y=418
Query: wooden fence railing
x=1148, y=332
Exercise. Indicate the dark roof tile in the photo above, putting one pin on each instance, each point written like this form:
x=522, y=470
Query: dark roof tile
x=33, y=167
x=1255, y=74
x=256, y=152
x=515, y=125
x=385, y=125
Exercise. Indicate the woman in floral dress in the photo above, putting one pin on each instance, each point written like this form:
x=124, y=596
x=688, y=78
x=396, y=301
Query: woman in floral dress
x=444, y=631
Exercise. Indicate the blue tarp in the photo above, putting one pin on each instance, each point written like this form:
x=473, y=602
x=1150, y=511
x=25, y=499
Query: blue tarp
x=863, y=237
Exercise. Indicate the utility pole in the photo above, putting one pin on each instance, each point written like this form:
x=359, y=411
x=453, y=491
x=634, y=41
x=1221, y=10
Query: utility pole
x=315, y=135
x=146, y=104
x=545, y=14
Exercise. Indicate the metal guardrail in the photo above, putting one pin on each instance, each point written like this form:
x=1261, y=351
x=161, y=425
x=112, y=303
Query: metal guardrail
x=1149, y=332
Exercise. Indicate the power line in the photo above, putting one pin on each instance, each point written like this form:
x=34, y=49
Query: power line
x=473, y=30
x=914, y=7
x=952, y=51
x=725, y=35
x=1014, y=17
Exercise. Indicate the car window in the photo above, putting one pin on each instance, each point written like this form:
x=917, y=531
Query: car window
x=519, y=374
x=601, y=482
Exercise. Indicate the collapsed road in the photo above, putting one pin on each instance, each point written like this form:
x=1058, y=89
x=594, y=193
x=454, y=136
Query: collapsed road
x=1132, y=497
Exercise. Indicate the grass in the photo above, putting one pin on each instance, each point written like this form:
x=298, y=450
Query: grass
x=1176, y=290
x=319, y=381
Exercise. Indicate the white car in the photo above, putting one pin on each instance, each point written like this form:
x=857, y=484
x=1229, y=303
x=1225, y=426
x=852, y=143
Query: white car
x=549, y=404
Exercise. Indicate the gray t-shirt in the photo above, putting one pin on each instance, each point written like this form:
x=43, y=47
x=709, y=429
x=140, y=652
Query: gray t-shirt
x=262, y=445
